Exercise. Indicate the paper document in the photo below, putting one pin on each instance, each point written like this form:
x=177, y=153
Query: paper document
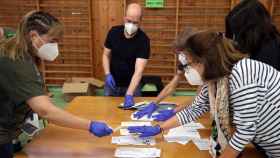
x=202, y=144
x=133, y=140
x=131, y=152
x=183, y=134
x=125, y=132
x=194, y=125
x=135, y=123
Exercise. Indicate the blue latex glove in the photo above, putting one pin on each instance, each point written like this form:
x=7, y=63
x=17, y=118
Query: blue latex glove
x=164, y=115
x=110, y=81
x=128, y=101
x=148, y=110
x=100, y=129
x=145, y=131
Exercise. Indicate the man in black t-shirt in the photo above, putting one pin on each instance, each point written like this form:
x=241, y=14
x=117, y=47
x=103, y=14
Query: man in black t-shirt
x=126, y=52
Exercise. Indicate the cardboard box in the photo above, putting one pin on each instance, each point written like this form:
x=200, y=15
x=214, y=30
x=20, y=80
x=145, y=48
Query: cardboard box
x=93, y=81
x=80, y=87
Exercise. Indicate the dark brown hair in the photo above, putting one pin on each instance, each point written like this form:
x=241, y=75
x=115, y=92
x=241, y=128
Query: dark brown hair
x=251, y=26
x=180, y=41
x=215, y=52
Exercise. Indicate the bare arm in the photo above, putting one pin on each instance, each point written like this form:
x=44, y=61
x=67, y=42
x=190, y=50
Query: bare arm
x=168, y=89
x=45, y=109
x=106, y=58
x=171, y=123
x=136, y=78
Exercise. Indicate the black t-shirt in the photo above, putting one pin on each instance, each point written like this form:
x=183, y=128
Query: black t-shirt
x=19, y=81
x=269, y=54
x=124, y=53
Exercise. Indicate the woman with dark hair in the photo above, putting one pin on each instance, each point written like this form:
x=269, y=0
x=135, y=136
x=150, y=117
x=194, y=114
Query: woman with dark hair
x=21, y=85
x=250, y=25
x=242, y=95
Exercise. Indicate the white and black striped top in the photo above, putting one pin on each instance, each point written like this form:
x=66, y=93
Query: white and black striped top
x=254, y=98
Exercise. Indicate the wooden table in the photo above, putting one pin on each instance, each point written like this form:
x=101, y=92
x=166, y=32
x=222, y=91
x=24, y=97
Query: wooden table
x=59, y=142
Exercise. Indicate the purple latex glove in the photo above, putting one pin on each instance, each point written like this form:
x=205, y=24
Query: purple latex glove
x=148, y=110
x=145, y=131
x=164, y=115
x=100, y=129
x=109, y=80
x=128, y=101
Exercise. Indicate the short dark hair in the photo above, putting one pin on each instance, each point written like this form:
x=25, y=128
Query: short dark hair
x=251, y=25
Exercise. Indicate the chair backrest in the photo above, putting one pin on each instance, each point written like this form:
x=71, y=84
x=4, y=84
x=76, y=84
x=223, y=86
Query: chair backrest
x=155, y=80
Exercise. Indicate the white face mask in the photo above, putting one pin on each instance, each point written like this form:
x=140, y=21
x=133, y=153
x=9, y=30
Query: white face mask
x=182, y=58
x=130, y=28
x=192, y=76
x=48, y=51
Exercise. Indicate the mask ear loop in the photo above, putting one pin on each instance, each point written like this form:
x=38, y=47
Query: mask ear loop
x=43, y=42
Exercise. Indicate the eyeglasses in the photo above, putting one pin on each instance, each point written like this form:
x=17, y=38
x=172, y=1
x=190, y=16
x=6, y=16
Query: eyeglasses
x=184, y=64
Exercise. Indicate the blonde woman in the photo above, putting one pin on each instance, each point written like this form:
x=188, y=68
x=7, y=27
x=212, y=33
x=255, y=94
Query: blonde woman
x=21, y=85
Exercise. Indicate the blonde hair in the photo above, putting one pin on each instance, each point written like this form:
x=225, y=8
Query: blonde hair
x=41, y=22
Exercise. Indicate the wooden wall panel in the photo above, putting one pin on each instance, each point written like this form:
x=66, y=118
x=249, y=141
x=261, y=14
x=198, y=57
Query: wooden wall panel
x=87, y=23
x=106, y=13
x=202, y=14
x=76, y=50
x=163, y=25
x=11, y=11
x=276, y=13
x=159, y=24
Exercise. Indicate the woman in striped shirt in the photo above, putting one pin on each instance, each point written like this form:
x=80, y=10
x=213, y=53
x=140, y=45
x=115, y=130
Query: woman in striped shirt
x=251, y=114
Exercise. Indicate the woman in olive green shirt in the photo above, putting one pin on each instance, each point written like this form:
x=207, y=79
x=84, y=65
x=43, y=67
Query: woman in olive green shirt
x=21, y=86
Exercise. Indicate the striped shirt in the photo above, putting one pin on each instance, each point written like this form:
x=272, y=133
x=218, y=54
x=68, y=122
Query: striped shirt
x=254, y=98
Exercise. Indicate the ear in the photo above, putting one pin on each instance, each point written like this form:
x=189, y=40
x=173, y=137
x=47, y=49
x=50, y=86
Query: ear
x=33, y=34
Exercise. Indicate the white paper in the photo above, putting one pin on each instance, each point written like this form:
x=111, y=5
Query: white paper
x=133, y=140
x=135, y=123
x=125, y=132
x=202, y=144
x=144, y=118
x=193, y=125
x=182, y=140
x=136, y=105
x=131, y=152
x=183, y=134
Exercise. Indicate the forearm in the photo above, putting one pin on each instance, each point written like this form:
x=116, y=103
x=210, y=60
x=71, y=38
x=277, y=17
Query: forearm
x=45, y=109
x=136, y=78
x=180, y=108
x=171, y=123
x=106, y=63
x=66, y=119
x=168, y=90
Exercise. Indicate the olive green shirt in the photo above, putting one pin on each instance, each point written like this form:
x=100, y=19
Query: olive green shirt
x=20, y=80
